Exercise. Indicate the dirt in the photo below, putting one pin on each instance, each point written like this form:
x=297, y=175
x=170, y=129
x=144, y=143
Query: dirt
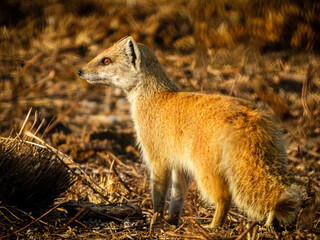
x=40, y=56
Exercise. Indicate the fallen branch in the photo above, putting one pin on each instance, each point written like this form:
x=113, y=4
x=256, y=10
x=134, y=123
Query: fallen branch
x=84, y=210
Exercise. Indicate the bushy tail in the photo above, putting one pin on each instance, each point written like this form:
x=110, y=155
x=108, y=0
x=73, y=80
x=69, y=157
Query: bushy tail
x=289, y=204
x=309, y=212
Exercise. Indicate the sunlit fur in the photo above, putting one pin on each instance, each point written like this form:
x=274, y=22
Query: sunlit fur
x=233, y=151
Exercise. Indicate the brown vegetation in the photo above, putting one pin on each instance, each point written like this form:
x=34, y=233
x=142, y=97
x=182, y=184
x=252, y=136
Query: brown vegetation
x=43, y=43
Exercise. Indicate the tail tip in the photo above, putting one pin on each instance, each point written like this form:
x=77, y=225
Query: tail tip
x=289, y=204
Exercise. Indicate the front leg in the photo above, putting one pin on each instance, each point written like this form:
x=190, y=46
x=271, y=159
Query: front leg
x=160, y=181
x=180, y=184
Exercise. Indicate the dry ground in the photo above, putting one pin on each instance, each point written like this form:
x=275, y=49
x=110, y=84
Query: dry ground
x=40, y=55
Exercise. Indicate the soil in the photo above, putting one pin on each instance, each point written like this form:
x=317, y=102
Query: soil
x=40, y=56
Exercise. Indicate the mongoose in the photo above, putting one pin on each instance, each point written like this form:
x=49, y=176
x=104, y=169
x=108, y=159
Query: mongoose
x=233, y=151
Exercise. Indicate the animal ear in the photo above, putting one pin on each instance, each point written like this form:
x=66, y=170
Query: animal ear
x=133, y=52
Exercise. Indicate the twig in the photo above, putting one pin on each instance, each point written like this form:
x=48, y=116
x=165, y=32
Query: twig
x=117, y=174
x=11, y=213
x=313, y=153
x=237, y=215
x=254, y=233
x=48, y=125
x=232, y=87
x=172, y=234
x=119, y=162
x=29, y=63
x=155, y=217
x=34, y=121
x=305, y=86
x=246, y=231
x=36, y=220
x=24, y=123
x=294, y=159
x=30, y=216
x=223, y=71
x=74, y=218
x=203, y=231
x=1, y=213
x=45, y=145
x=39, y=127
x=180, y=227
x=80, y=223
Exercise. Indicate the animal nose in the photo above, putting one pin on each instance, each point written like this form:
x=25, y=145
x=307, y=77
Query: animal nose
x=80, y=72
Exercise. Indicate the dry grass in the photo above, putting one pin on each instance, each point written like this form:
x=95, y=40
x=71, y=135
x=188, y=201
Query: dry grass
x=43, y=43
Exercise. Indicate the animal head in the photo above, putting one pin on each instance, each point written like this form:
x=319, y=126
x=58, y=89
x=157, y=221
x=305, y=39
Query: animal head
x=119, y=65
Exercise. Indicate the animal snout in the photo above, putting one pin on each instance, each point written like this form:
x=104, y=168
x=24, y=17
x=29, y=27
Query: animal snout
x=80, y=72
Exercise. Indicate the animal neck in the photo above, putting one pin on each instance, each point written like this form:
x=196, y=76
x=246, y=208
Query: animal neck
x=149, y=85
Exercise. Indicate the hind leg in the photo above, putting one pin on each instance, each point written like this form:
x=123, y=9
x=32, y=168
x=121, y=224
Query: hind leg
x=272, y=222
x=270, y=219
x=216, y=190
x=222, y=209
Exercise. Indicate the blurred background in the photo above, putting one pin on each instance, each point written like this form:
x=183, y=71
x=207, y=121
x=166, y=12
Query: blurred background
x=43, y=43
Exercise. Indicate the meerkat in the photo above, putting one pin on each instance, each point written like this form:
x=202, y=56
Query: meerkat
x=233, y=151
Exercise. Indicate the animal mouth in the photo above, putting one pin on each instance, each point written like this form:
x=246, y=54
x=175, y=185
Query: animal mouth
x=97, y=81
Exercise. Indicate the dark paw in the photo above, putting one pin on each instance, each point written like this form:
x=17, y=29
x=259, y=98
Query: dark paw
x=174, y=220
x=275, y=225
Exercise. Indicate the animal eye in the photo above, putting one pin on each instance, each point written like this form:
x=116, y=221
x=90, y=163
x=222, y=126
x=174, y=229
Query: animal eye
x=106, y=61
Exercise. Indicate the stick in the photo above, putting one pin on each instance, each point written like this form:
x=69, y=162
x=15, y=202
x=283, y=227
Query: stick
x=24, y=123
x=305, y=86
x=29, y=63
x=233, y=85
x=119, y=162
x=246, y=231
x=172, y=234
x=203, y=231
x=74, y=217
x=46, y=213
x=118, y=176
